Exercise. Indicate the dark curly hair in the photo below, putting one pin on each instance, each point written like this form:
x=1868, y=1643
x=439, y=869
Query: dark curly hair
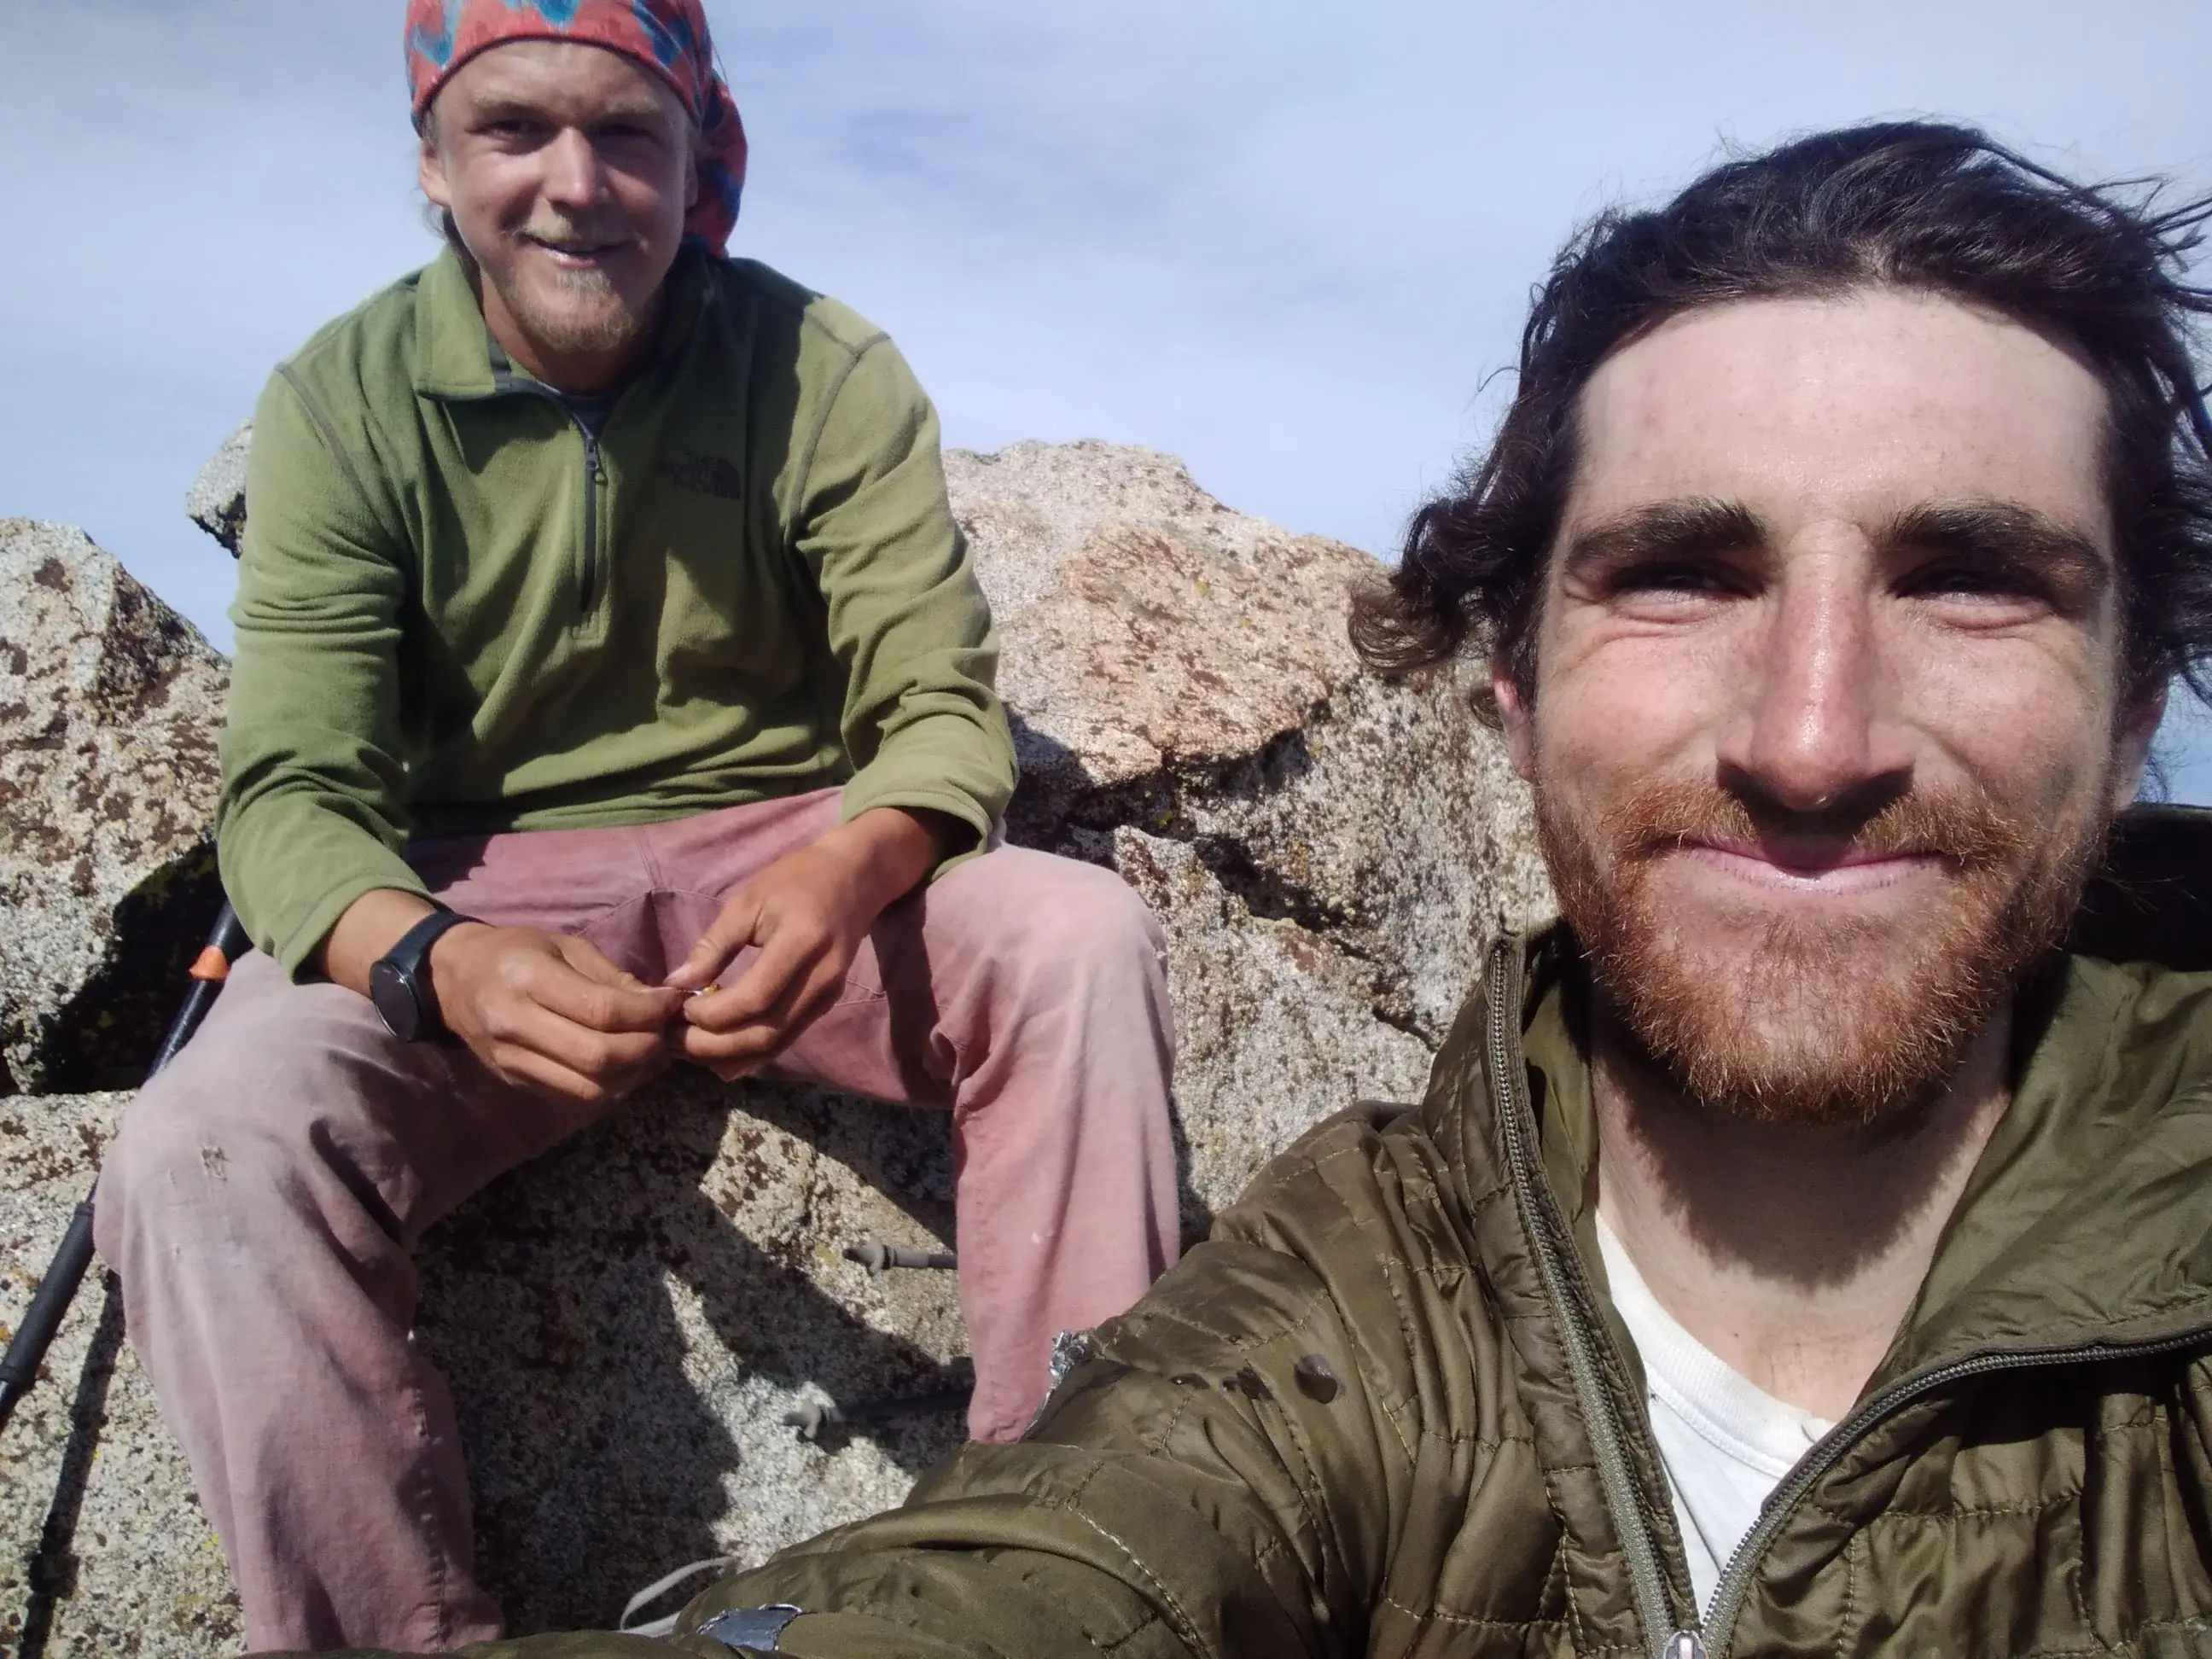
x=1909, y=204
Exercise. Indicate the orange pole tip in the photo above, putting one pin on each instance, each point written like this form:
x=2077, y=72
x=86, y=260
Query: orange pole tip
x=211, y=965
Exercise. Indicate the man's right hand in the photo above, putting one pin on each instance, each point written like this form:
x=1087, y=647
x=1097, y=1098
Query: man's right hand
x=546, y=1012
x=549, y=1012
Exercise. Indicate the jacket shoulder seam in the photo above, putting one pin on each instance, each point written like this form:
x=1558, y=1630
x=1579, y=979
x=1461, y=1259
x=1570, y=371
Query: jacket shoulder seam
x=803, y=478
x=325, y=426
x=810, y=318
x=763, y=285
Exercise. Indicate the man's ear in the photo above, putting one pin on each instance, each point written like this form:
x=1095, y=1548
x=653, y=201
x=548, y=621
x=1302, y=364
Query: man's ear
x=2132, y=752
x=1513, y=717
x=430, y=172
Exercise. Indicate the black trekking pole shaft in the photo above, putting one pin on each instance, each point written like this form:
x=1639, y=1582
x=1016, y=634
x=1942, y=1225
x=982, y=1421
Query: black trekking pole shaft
x=49, y=1303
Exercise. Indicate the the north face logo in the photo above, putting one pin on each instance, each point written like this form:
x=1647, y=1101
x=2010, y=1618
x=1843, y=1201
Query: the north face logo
x=710, y=475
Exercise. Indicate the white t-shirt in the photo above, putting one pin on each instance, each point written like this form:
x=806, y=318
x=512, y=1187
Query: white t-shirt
x=1726, y=1443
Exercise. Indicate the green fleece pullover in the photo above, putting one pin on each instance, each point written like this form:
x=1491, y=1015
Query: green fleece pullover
x=459, y=611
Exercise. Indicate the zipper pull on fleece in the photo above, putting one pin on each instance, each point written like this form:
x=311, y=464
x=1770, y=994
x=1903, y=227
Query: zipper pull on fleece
x=1684, y=1644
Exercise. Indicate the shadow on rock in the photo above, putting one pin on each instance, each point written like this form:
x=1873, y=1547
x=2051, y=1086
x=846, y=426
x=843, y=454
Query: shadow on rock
x=626, y=1322
x=53, y=1563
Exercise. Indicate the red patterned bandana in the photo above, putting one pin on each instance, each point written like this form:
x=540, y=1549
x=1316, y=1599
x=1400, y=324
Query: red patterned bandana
x=668, y=36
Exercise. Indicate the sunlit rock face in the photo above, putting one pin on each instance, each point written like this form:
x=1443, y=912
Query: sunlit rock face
x=1329, y=853
x=109, y=706
x=627, y=1321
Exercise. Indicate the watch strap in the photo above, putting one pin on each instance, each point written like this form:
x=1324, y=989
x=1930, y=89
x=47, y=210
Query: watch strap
x=411, y=958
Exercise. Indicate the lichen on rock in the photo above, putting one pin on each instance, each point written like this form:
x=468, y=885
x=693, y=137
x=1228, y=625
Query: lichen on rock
x=109, y=707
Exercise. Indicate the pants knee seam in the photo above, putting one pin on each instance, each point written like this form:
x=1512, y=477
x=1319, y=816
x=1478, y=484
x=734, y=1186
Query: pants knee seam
x=426, y=1518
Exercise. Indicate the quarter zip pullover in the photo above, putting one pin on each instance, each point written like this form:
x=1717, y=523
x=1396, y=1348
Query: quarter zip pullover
x=468, y=604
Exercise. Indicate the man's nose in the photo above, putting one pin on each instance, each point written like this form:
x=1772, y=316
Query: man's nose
x=572, y=177
x=1814, y=726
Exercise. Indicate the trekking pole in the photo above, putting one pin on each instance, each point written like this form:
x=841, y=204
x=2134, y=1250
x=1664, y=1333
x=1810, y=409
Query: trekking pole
x=50, y=1303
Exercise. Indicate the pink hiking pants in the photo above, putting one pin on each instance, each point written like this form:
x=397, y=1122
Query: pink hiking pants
x=264, y=1192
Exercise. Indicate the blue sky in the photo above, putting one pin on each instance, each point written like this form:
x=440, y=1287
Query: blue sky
x=1290, y=242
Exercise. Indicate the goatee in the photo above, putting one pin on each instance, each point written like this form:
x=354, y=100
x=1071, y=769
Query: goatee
x=573, y=312
x=589, y=316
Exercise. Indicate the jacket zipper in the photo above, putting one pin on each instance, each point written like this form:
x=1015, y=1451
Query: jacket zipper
x=1509, y=1087
x=594, y=477
x=1709, y=1639
x=1735, y=1578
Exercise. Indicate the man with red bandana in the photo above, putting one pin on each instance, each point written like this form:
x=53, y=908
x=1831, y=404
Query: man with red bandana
x=613, y=689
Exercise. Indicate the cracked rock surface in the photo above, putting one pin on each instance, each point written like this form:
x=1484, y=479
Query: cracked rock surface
x=109, y=706
x=1328, y=851
x=626, y=1322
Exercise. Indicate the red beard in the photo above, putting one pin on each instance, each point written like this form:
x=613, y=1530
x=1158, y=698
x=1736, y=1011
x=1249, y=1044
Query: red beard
x=1841, y=1021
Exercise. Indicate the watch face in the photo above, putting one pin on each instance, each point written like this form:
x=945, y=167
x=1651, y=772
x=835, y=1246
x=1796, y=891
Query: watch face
x=395, y=1001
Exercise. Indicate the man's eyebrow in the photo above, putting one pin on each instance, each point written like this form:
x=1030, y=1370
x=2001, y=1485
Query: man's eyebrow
x=2005, y=534
x=501, y=107
x=1686, y=528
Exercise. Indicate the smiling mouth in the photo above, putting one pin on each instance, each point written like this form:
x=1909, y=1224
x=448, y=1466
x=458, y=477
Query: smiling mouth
x=576, y=253
x=1845, y=871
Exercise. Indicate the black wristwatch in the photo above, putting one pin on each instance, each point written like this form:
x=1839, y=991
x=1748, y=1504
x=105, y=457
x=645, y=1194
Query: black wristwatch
x=399, y=981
